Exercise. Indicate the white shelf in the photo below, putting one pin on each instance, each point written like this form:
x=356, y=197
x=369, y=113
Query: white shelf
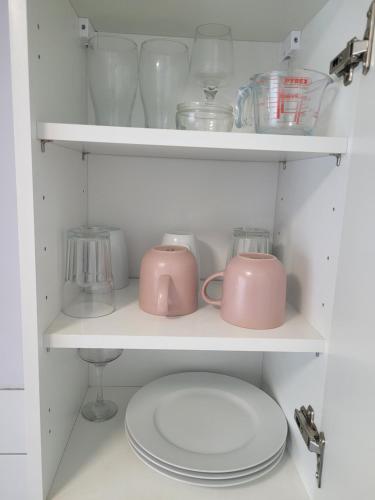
x=128, y=141
x=98, y=464
x=130, y=328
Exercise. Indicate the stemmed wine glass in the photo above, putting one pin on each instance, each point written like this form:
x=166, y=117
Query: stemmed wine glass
x=212, y=57
x=101, y=409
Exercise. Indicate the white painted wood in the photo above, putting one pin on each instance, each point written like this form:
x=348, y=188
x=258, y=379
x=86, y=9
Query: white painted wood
x=11, y=369
x=12, y=421
x=269, y=20
x=13, y=470
x=308, y=223
x=130, y=328
x=98, y=464
x=25, y=212
x=148, y=197
x=139, y=367
x=349, y=407
x=54, y=384
x=311, y=231
x=131, y=141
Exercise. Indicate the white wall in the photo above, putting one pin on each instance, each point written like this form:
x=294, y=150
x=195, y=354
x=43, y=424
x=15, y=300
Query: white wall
x=12, y=428
x=11, y=372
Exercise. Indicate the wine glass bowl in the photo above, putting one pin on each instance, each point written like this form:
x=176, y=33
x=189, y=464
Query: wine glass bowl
x=211, y=62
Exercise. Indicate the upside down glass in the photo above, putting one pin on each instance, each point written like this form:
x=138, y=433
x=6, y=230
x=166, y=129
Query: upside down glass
x=88, y=288
x=100, y=409
x=249, y=240
x=113, y=78
x=163, y=74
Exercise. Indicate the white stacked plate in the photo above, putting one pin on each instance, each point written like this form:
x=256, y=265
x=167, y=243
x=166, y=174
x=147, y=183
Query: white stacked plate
x=206, y=429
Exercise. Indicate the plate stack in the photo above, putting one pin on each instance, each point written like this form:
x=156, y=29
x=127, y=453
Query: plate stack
x=206, y=429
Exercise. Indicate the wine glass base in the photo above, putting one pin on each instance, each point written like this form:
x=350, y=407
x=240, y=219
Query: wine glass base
x=99, y=412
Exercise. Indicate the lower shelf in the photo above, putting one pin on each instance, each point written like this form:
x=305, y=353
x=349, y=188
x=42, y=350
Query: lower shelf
x=98, y=464
x=130, y=328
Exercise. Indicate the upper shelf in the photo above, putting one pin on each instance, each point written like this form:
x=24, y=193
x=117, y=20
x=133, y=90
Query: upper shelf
x=132, y=141
x=130, y=328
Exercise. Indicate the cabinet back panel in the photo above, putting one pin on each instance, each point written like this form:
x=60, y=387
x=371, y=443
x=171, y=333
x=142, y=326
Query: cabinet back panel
x=148, y=197
x=137, y=368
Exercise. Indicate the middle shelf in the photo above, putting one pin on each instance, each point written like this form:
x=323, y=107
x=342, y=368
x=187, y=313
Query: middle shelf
x=131, y=328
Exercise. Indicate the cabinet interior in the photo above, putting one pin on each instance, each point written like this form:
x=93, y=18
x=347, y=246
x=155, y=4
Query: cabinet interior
x=300, y=203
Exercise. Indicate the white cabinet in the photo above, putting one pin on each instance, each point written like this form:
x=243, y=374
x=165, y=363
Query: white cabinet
x=148, y=181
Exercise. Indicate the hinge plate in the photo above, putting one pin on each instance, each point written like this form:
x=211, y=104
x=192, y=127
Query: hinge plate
x=314, y=440
x=356, y=52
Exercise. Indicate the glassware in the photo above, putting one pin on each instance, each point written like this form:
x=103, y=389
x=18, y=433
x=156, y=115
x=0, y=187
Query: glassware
x=113, y=78
x=101, y=409
x=88, y=288
x=212, y=57
x=164, y=66
x=249, y=240
x=283, y=102
x=206, y=115
x=119, y=255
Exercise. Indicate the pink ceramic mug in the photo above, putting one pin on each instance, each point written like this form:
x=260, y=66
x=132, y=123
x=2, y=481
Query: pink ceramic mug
x=254, y=291
x=168, y=281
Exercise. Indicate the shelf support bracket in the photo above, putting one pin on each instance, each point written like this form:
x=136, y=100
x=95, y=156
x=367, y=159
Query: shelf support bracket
x=43, y=143
x=338, y=157
x=315, y=440
x=282, y=164
x=84, y=155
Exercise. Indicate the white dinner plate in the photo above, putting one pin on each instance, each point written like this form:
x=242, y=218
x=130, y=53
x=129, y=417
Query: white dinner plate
x=208, y=483
x=206, y=422
x=203, y=475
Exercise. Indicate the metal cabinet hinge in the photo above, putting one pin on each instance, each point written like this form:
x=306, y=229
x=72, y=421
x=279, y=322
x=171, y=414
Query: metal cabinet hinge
x=355, y=52
x=315, y=440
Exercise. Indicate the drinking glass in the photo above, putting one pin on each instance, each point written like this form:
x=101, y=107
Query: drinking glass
x=212, y=57
x=88, y=288
x=249, y=240
x=164, y=66
x=101, y=409
x=113, y=78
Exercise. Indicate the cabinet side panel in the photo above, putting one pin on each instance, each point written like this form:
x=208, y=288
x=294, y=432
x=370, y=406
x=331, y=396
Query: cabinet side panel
x=308, y=226
x=57, y=87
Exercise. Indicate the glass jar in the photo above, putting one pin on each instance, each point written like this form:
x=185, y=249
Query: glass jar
x=204, y=115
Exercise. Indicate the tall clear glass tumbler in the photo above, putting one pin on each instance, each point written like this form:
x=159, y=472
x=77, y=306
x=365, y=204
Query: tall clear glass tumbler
x=113, y=78
x=163, y=73
x=88, y=288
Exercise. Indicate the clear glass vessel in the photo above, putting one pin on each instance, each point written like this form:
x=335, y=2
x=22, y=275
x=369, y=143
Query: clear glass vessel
x=283, y=102
x=212, y=57
x=113, y=78
x=88, y=288
x=164, y=66
x=205, y=115
x=249, y=240
x=100, y=409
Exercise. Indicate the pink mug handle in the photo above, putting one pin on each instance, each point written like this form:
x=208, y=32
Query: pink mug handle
x=206, y=298
x=163, y=295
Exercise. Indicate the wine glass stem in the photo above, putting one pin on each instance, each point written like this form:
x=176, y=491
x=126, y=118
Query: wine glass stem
x=210, y=93
x=99, y=367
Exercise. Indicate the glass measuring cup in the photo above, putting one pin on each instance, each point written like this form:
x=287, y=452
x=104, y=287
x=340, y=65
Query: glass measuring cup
x=283, y=102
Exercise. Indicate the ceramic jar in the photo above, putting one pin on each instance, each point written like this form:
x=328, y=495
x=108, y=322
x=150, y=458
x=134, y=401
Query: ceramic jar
x=168, y=281
x=254, y=291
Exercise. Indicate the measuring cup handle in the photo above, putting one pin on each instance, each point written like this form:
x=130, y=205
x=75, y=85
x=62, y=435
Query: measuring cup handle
x=243, y=93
